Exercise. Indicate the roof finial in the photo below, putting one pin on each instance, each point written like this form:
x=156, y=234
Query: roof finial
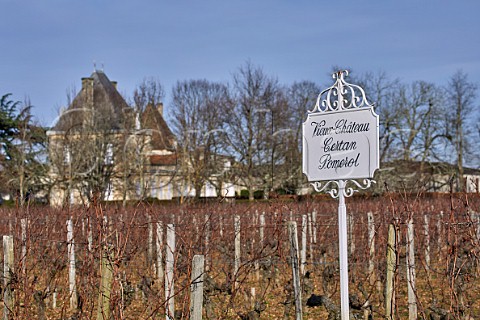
x=94, y=66
x=102, y=66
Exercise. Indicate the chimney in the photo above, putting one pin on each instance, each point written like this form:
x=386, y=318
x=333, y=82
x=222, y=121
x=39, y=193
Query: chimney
x=87, y=87
x=160, y=108
x=114, y=83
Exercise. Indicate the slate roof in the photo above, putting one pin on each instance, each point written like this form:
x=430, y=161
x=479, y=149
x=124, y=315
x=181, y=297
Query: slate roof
x=98, y=98
x=100, y=102
x=162, y=136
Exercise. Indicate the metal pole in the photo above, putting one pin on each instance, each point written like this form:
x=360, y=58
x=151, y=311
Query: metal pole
x=342, y=229
x=343, y=250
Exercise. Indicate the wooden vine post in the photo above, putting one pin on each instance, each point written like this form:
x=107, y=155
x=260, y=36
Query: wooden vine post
x=106, y=270
x=71, y=265
x=391, y=269
x=8, y=269
x=159, y=247
x=292, y=233
x=169, y=267
x=196, y=287
x=303, y=251
x=236, y=266
x=411, y=274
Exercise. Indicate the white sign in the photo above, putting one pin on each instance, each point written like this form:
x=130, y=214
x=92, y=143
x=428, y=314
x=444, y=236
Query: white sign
x=341, y=144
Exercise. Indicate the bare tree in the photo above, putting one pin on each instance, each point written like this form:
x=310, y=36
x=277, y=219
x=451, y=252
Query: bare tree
x=301, y=98
x=278, y=145
x=416, y=124
x=461, y=95
x=87, y=145
x=198, y=112
x=255, y=97
x=149, y=91
x=83, y=157
x=433, y=132
x=381, y=91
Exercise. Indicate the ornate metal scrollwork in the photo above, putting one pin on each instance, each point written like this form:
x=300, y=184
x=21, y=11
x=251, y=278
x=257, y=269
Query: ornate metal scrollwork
x=336, y=187
x=320, y=187
x=341, y=96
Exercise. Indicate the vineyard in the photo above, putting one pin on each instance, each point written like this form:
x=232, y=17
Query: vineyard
x=109, y=262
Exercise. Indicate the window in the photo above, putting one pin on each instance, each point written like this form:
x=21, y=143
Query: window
x=153, y=187
x=109, y=154
x=67, y=155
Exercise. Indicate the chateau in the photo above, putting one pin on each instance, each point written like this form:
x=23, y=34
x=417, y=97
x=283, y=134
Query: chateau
x=103, y=149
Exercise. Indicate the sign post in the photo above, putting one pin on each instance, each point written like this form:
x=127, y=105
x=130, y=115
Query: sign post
x=340, y=145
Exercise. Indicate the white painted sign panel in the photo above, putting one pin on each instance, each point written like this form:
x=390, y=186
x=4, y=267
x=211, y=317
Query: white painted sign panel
x=341, y=144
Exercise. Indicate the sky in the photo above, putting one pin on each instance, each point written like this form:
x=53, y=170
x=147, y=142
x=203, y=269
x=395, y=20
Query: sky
x=48, y=46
